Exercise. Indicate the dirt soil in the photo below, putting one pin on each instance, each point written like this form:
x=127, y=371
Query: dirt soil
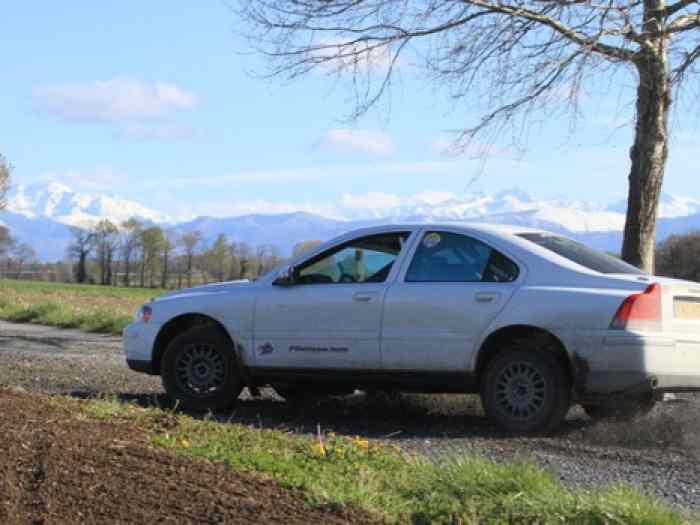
x=56, y=468
x=659, y=454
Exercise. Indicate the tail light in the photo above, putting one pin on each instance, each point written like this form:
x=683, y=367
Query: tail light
x=640, y=311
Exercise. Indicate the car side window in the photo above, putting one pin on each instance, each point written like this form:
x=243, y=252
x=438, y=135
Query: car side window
x=364, y=260
x=444, y=257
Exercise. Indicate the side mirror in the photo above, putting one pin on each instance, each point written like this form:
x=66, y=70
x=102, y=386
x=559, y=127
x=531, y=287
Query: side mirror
x=287, y=277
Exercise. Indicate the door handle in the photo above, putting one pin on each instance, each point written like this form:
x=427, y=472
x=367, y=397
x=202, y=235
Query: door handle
x=487, y=297
x=364, y=297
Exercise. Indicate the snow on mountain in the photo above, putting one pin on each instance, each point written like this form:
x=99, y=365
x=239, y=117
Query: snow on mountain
x=62, y=204
x=576, y=216
x=671, y=206
x=40, y=215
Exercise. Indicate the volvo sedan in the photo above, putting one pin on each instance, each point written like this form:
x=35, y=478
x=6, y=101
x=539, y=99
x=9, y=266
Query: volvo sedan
x=532, y=321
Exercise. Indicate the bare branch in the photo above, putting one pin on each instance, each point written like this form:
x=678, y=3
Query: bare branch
x=683, y=23
x=678, y=6
x=587, y=42
x=680, y=71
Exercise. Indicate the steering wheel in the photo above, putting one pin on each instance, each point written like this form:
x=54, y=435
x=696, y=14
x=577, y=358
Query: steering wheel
x=347, y=278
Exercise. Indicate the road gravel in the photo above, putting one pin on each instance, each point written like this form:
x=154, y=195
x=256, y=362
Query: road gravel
x=660, y=453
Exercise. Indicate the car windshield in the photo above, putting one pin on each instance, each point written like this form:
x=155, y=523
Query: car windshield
x=581, y=254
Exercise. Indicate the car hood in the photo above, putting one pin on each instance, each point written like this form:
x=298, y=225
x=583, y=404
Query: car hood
x=205, y=289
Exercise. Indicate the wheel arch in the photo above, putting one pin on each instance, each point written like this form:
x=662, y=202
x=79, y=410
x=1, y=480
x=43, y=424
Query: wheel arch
x=495, y=341
x=180, y=324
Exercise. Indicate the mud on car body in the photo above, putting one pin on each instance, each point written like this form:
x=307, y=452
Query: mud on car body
x=532, y=321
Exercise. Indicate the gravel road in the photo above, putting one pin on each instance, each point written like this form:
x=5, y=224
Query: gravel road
x=659, y=454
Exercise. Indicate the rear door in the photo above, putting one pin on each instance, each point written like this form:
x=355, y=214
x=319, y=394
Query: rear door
x=447, y=294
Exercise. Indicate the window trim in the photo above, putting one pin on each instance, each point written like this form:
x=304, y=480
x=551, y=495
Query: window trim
x=391, y=277
x=419, y=234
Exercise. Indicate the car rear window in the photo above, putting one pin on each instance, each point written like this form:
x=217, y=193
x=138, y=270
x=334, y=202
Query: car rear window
x=581, y=254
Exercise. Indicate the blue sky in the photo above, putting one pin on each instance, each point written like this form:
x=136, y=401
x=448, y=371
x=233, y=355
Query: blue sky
x=154, y=101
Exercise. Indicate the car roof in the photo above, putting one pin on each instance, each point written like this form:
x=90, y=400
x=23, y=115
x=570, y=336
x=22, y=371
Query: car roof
x=497, y=229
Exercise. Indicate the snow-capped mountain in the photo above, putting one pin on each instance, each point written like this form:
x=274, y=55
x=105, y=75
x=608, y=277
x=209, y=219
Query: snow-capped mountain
x=670, y=206
x=517, y=207
x=41, y=215
x=62, y=204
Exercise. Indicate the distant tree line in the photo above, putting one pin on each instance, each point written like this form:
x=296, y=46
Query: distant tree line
x=679, y=256
x=135, y=253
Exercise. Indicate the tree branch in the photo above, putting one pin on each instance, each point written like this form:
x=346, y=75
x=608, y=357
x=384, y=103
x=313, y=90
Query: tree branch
x=683, y=23
x=679, y=72
x=674, y=8
x=584, y=41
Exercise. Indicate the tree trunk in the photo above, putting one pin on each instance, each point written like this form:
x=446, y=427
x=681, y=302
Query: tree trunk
x=143, y=272
x=127, y=264
x=189, y=271
x=165, y=271
x=80, y=273
x=650, y=149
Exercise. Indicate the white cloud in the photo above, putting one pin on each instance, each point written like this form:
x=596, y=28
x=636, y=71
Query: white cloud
x=371, y=200
x=121, y=100
x=363, y=141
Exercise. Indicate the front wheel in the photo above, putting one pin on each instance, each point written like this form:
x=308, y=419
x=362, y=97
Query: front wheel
x=525, y=391
x=199, y=370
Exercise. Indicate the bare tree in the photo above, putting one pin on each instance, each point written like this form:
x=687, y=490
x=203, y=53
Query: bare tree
x=81, y=246
x=23, y=254
x=6, y=241
x=167, y=245
x=5, y=172
x=106, y=240
x=151, y=242
x=216, y=256
x=267, y=257
x=130, y=244
x=507, y=59
x=190, y=241
x=304, y=247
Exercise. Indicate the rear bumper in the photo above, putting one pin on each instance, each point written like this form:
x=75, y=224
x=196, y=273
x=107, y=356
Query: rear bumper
x=632, y=364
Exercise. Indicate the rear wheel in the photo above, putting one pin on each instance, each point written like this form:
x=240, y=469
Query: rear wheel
x=525, y=391
x=199, y=370
x=624, y=410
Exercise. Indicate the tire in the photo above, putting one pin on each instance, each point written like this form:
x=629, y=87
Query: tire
x=625, y=410
x=525, y=391
x=200, y=372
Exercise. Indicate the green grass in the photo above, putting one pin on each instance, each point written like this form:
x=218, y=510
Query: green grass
x=87, y=307
x=386, y=482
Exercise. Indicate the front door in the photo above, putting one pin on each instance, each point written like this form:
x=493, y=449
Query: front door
x=453, y=288
x=330, y=318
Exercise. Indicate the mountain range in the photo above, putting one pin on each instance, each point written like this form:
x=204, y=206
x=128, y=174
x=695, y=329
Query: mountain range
x=41, y=215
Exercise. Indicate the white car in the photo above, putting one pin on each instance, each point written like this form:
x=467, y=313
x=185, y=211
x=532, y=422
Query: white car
x=531, y=320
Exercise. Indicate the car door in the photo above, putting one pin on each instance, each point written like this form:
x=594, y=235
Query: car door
x=330, y=317
x=448, y=293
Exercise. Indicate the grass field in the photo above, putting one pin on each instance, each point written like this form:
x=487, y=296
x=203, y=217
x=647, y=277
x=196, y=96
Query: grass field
x=333, y=470
x=88, y=307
